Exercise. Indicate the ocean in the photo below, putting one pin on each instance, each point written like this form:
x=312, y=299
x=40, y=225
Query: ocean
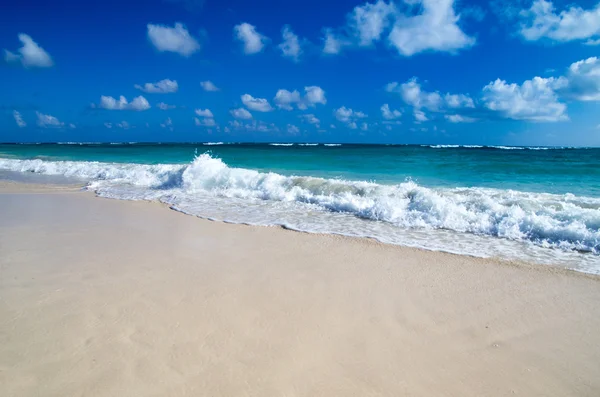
x=532, y=204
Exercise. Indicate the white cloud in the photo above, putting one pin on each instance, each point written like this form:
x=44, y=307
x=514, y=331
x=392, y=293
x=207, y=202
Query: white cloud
x=176, y=39
x=370, y=20
x=592, y=42
x=139, y=103
x=332, y=126
x=167, y=124
x=457, y=118
x=241, y=113
x=412, y=93
x=534, y=100
x=584, y=80
x=454, y=101
x=124, y=125
x=18, y=119
x=434, y=29
x=257, y=104
x=164, y=106
x=47, y=121
x=253, y=41
x=204, y=113
x=310, y=119
x=419, y=116
x=206, y=122
x=574, y=23
x=253, y=126
x=332, y=43
x=292, y=129
x=411, y=27
x=108, y=125
x=30, y=54
x=348, y=116
x=165, y=86
x=389, y=114
x=314, y=95
x=345, y=114
x=364, y=126
x=209, y=86
x=291, y=46
x=71, y=125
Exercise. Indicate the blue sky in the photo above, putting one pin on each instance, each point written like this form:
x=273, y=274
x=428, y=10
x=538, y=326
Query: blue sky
x=432, y=71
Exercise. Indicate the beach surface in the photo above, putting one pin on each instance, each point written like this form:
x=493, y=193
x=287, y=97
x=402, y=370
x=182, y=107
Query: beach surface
x=102, y=297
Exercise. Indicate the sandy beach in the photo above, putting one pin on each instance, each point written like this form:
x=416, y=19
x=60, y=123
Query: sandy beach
x=102, y=297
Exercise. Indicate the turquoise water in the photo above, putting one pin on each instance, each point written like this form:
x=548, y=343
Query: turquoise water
x=529, y=204
x=561, y=171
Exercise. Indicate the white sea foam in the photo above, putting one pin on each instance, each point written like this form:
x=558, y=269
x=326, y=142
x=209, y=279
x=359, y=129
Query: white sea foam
x=212, y=143
x=537, y=227
x=281, y=144
x=308, y=144
x=332, y=144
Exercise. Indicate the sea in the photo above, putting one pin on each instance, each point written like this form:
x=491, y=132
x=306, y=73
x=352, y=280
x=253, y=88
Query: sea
x=526, y=204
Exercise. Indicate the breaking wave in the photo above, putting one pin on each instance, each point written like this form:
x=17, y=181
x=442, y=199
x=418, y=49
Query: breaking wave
x=564, y=222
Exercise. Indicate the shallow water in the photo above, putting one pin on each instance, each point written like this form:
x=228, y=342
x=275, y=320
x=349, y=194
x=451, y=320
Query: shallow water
x=534, y=204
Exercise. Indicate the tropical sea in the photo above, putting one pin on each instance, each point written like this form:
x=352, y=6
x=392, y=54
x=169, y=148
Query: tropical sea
x=532, y=204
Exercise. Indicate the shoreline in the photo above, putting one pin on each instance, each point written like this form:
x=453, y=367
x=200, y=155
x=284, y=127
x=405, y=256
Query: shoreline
x=20, y=186
x=111, y=297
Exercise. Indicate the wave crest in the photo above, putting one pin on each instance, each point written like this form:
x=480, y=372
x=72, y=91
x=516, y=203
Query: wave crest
x=559, y=221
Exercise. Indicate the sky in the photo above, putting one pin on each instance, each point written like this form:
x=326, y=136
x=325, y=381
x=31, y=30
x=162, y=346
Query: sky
x=501, y=72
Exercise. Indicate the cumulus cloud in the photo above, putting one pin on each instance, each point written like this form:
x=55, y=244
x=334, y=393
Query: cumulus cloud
x=165, y=86
x=390, y=114
x=207, y=118
x=291, y=46
x=534, y=100
x=108, y=125
x=173, y=39
x=413, y=94
x=584, y=80
x=47, y=121
x=256, y=104
x=19, y=120
x=164, y=106
x=124, y=125
x=241, y=113
x=204, y=113
x=253, y=126
x=138, y=103
x=253, y=41
x=411, y=27
x=314, y=95
x=370, y=20
x=434, y=29
x=168, y=124
x=292, y=129
x=574, y=23
x=364, y=126
x=419, y=116
x=310, y=119
x=457, y=118
x=30, y=54
x=332, y=43
x=348, y=116
x=206, y=122
x=209, y=86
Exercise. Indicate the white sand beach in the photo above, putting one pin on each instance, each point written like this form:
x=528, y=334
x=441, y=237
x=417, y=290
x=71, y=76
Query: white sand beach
x=101, y=297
